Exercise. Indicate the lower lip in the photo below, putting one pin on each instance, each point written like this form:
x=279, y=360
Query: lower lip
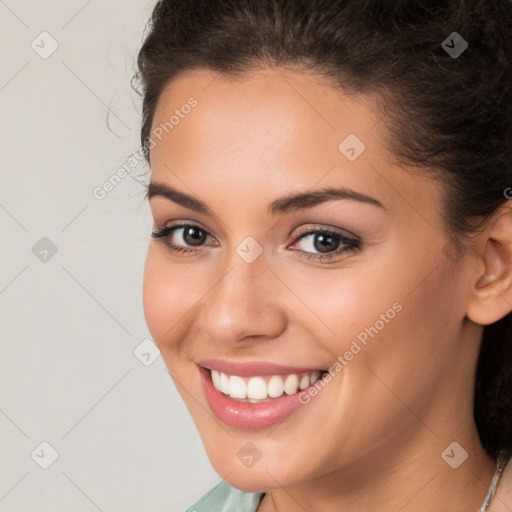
x=246, y=415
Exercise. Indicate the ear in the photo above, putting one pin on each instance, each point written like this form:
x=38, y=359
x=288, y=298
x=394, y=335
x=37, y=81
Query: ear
x=491, y=296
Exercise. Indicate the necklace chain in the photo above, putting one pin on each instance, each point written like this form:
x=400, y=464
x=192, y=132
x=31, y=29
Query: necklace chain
x=503, y=458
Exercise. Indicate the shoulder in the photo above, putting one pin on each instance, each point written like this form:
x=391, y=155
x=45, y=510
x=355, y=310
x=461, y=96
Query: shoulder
x=224, y=498
x=502, y=501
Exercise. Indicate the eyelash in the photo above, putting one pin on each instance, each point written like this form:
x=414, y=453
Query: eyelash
x=351, y=245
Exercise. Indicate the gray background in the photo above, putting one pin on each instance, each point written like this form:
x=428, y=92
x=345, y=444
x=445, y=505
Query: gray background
x=71, y=320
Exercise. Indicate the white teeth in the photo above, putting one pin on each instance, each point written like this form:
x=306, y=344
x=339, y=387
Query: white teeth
x=291, y=384
x=256, y=389
x=224, y=383
x=237, y=387
x=275, y=386
x=304, y=382
x=216, y=379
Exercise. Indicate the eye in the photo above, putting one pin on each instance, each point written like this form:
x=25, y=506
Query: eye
x=187, y=234
x=187, y=238
x=328, y=243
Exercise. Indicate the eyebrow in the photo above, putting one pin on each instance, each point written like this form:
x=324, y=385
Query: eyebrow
x=282, y=205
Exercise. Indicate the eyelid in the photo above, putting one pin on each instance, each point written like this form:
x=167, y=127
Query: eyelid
x=182, y=224
x=322, y=227
x=309, y=229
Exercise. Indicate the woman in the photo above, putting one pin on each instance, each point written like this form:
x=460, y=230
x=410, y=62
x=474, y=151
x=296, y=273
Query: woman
x=329, y=279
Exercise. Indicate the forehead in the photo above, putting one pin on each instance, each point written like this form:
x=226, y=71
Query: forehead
x=271, y=105
x=272, y=131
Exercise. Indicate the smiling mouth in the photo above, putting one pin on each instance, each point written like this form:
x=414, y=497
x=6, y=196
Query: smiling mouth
x=255, y=395
x=261, y=389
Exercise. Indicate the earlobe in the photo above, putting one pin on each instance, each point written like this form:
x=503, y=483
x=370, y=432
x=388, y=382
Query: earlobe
x=491, y=297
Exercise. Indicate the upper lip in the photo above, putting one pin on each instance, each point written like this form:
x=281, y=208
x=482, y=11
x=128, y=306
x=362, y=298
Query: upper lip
x=252, y=368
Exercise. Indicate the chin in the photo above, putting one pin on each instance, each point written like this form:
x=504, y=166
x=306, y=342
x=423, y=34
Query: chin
x=251, y=480
x=263, y=476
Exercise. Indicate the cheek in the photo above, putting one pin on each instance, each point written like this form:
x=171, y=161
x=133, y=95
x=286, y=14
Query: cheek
x=338, y=305
x=164, y=301
x=380, y=317
x=407, y=351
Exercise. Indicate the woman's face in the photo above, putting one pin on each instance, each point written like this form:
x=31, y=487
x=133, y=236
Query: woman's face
x=375, y=294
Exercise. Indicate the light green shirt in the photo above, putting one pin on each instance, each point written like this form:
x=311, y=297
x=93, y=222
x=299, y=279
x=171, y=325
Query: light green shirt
x=224, y=498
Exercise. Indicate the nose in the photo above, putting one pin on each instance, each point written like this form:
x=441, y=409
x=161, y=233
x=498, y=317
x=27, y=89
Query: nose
x=244, y=303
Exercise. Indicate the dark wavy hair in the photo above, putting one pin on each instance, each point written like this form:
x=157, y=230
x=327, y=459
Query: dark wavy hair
x=448, y=116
